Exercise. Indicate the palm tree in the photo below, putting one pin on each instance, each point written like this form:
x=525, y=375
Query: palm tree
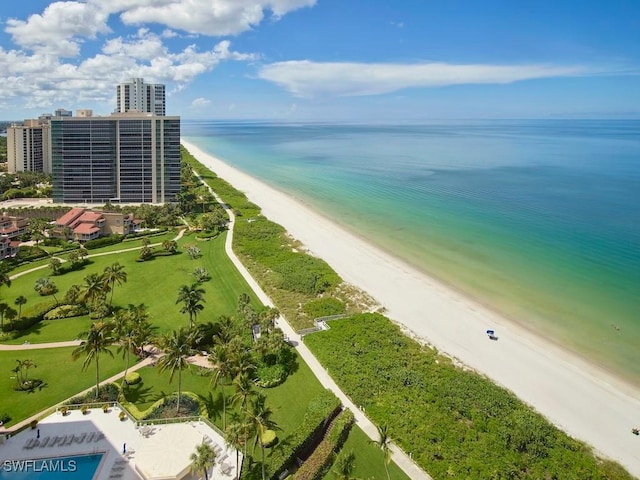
x=244, y=390
x=170, y=246
x=123, y=333
x=114, y=274
x=97, y=341
x=203, y=459
x=3, y=309
x=236, y=438
x=20, y=301
x=55, y=265
x=344, y=466
x=94, y=288
x=221, y=365
x=143, y=331
x=177, y=349
x=10, y=314
x=192, y=297
x=260, y=417
x=44, y=287
x=5, y=279
x=384, y=443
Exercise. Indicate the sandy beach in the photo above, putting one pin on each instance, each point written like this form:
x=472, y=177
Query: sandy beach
x=585, y=401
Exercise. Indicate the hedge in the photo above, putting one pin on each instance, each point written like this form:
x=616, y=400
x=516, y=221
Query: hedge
x=32, y=315
x=103, y=242
x=132, y=378
x=65, y=311
x=321, y=459
x=321, y=410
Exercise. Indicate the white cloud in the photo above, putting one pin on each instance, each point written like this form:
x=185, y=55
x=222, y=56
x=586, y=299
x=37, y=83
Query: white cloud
x=200, y=102
x=43, y=80
x=208, y=17
x=36, y=70
x=59, y=29
x=310, y=79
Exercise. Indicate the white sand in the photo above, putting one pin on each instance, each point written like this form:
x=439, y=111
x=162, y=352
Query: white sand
x=581, y=399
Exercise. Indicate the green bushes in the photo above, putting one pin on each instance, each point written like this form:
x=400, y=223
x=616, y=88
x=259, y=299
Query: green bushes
x=132, y=378
x=320, y=410
x=320, y=460
x=107, y=393
x=31, y=315
x=65, y=311
x=103, y=241
x=324, y=307
x=269, y=376
x=454, y=421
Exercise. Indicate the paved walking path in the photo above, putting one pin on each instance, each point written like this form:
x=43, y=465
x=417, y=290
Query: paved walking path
x=38, y=346
x=398, y=455
x=123, y=250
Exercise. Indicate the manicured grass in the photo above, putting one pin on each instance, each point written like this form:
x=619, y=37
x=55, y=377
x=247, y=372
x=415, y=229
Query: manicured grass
x=369, y=459
x=63, y=377
x=288, y=401
x=54, y=331
x=154, y=283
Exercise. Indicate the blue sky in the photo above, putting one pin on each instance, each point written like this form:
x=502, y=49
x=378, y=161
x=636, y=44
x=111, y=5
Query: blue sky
x=325, y=60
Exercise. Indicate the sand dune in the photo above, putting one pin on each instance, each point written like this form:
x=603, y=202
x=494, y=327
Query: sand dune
x=583, y=400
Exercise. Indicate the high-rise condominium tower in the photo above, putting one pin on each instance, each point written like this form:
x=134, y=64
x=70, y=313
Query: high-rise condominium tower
x=126, y=157
x=142, y=97
x=28, y=147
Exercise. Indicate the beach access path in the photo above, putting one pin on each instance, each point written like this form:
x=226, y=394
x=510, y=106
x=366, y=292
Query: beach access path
x=583, y=400
x=400, y=458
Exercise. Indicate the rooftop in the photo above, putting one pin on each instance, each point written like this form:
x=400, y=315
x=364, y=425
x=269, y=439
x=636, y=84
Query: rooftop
x=130, y=452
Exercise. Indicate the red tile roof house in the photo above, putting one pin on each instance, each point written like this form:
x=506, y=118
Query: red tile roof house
x=8, y=247
x=13, y=226
x=83, y=225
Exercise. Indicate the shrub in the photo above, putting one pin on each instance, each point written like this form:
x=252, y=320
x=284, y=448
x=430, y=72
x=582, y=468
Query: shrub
x=103, y=242
x=4, y=418
x=64, y=410
x=268, y=438
x=84, y=409
x=122, y=416
x=269, y=376
x=449, y=417
x=320, y=410
x=324, y=307
x=107, y=393
x=65, y=311
x=33, y=424
x=319, y=461
x=132, y=378
x=189, y=406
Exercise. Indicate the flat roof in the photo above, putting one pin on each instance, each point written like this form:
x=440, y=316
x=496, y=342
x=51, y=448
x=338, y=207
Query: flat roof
x=152, y=452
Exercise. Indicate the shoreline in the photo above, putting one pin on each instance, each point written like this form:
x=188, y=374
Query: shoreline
x=584, y=400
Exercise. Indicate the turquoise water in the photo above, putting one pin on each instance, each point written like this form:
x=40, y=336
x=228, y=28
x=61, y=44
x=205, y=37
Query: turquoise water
x=539, y=220
x=76, y=467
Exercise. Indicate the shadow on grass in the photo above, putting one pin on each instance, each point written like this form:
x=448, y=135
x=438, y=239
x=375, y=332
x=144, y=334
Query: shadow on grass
x=137, y=394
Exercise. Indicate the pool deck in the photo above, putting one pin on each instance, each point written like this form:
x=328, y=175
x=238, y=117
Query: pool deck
x=154, y=451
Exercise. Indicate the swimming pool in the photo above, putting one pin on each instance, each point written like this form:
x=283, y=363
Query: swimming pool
x=75, y=467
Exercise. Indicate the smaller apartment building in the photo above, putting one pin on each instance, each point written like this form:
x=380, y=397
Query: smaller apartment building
x=8, y=247
x=12, y=227
x=84, y=225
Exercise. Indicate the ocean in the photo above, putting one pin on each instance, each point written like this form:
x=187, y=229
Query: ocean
x=538, y=220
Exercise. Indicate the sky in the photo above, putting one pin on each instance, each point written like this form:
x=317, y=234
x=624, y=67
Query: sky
x=326, y=60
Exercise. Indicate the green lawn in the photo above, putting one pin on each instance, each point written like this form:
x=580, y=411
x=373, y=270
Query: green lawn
x=154, y=283
x=63, y=377
x=288, y=401
x=369, y=462
x=54, y=331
